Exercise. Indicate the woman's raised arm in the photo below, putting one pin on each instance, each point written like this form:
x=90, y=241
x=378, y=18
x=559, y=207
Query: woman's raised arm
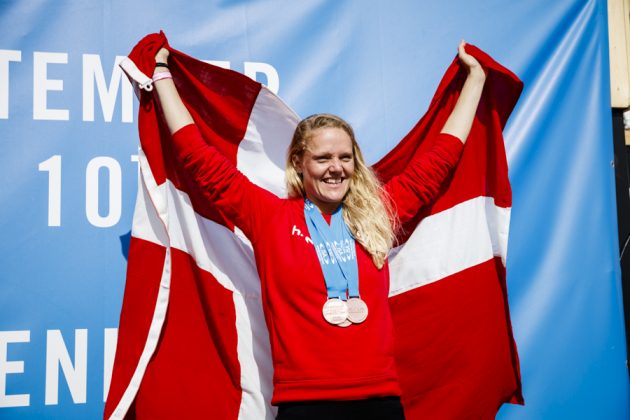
x=175, y=113
x=460, y=121
x=243, y=203
x=425, y=174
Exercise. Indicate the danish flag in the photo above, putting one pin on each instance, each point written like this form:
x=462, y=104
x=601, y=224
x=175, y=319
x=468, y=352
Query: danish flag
x=192, y=339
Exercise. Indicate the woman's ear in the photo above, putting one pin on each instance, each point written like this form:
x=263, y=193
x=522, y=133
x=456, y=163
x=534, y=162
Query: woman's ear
x=296, y=164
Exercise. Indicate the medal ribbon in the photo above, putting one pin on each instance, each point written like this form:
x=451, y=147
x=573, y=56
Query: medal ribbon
x=336, y=251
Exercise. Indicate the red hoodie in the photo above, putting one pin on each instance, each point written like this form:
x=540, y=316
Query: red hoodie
x=312, y=359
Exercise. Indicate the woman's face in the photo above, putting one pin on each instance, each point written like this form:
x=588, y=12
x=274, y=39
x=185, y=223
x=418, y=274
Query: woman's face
x=327, y=167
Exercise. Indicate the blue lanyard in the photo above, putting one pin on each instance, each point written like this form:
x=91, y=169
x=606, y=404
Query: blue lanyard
x=336, y=252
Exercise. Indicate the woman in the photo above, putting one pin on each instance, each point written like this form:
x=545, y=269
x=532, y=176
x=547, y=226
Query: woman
x=322, y=254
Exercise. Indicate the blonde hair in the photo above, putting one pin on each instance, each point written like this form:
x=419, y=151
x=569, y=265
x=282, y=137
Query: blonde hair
x=367, y=209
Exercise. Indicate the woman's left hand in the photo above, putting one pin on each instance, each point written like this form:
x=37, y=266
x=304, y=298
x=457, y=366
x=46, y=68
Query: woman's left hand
x=470, y=63
x=460, y=121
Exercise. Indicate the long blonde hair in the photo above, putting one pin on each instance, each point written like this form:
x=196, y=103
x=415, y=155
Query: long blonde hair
x=367, y=210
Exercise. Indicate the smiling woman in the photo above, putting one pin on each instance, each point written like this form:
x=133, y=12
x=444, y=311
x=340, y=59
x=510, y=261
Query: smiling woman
x=326, y=295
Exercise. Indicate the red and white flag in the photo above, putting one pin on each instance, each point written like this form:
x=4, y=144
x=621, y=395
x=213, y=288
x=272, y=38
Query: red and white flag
x=192, y=340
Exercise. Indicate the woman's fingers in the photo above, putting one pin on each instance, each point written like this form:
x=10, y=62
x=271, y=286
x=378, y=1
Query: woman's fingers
x=468, y=60
x=162, y=55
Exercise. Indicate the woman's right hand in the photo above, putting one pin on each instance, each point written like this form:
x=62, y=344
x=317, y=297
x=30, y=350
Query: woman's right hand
x=162, y=56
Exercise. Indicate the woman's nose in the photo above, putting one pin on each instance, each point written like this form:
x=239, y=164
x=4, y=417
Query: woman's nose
x=335, y=166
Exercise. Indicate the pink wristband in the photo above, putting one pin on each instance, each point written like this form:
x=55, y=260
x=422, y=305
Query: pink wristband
x=162, y=75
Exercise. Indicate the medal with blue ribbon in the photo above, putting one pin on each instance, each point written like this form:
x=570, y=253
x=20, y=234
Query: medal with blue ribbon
x=336, y=252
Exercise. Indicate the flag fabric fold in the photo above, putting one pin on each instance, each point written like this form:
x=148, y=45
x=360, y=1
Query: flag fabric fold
x=192, y=337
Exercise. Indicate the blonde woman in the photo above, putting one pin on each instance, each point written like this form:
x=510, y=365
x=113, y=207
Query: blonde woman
x=321, y=254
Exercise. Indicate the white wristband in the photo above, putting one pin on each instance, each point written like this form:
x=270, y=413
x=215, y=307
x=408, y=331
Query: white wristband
x=162, y=75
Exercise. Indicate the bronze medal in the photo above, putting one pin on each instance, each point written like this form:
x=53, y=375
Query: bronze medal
x=357, y=310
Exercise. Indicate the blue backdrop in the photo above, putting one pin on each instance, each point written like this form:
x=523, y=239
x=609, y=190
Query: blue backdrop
x=68, y=137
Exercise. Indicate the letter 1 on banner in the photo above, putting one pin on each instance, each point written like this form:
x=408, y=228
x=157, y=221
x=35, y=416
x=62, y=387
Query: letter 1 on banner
x=76, y=375
x=14, y=366
x=5, y=57
x=52, y=165
x=42, y=84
